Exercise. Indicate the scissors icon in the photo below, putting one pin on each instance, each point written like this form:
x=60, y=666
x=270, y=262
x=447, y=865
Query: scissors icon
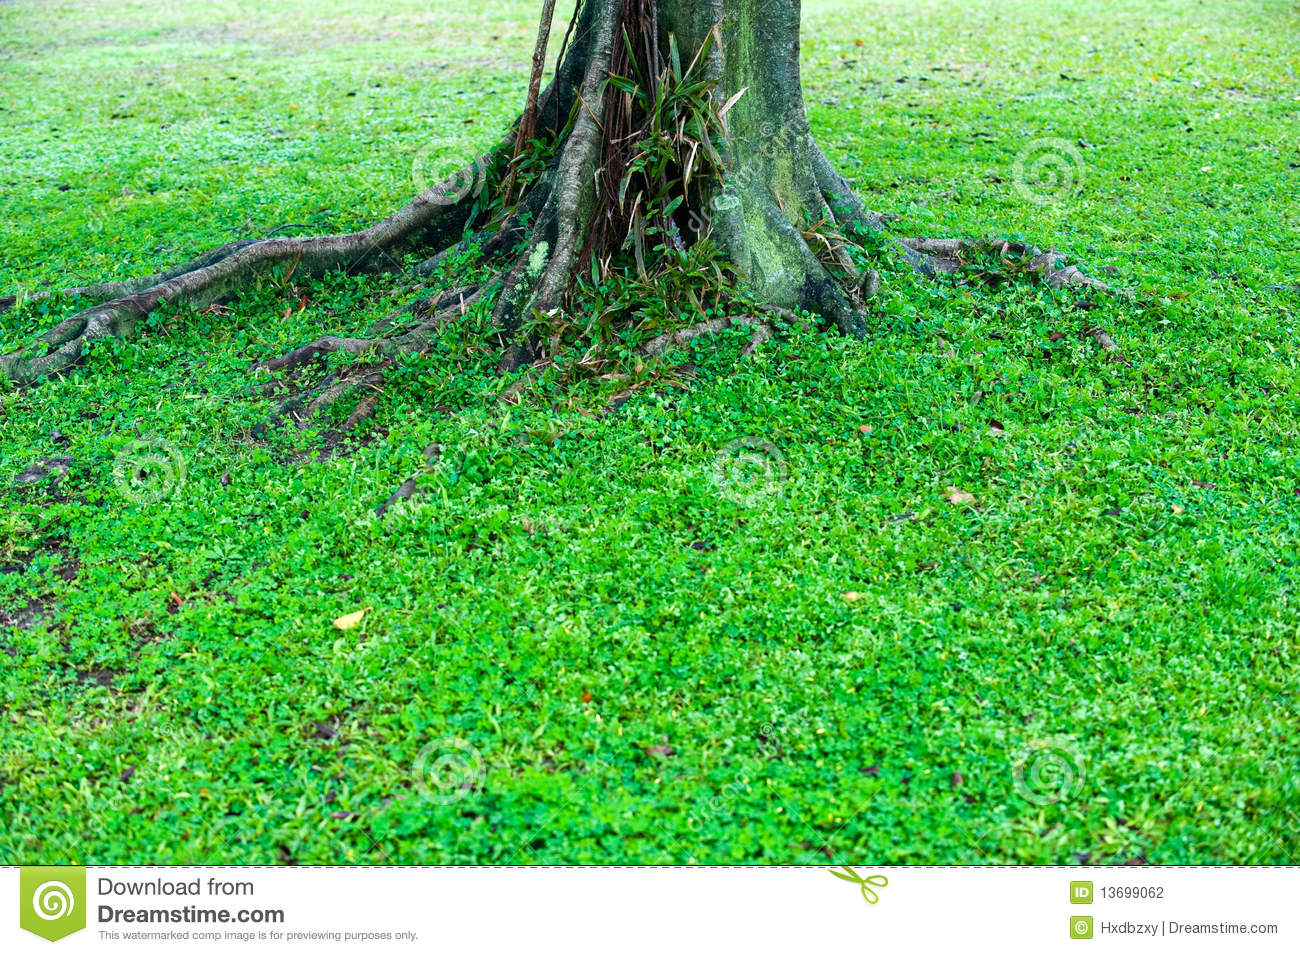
x=865, y=885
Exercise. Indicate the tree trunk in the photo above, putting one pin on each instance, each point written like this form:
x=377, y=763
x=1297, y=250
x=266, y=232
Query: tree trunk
x=670, y=126
x=778, y=186
x=774, y=186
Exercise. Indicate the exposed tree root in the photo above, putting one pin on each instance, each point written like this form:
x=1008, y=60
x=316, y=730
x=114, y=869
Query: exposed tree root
x=544, y=272
x=303, y=407
x=381, y=351
x=108, y=291
x=950, y=256
x=429, y=219
x=427, y=311
x=1053, y=268
x=365, y=409
x=1106, y=342
x=318, y=348
x=657, y=346
x=762, y=333
x=634, y=156
x=409, y=487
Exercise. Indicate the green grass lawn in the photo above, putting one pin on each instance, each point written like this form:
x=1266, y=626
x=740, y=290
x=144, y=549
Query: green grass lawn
x=746, y=618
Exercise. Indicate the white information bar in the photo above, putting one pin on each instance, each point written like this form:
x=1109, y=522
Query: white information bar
x=652, y=910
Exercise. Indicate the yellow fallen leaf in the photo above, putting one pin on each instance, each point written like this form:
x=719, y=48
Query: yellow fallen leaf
x=853, y=596
x=350, y=620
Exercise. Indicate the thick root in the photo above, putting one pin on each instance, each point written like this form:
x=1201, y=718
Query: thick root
x=437, y=216
x=336, y=385
x=1106, y=342
x=763, y=331
x=318, y=349
x=303, y=408
x=542, y=275
x=108, y=291
x=952, y=255
x=780, y=265
x=949, y=256
x=848, y=209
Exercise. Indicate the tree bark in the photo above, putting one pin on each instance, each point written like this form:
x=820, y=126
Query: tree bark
x=747, y=176
x=778, y=186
